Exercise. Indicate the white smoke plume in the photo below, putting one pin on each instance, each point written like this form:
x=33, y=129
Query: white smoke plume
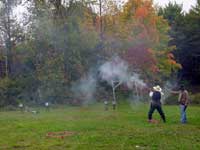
x=136, y=81
x=168, y=87
x=115, y=72
x=85, y=89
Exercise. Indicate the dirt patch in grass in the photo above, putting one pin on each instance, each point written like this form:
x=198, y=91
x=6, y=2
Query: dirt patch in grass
x=60, y=134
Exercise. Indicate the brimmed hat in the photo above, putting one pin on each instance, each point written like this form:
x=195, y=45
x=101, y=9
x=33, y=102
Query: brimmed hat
x=157, y=88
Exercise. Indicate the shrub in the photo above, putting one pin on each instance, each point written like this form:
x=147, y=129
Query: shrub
x=173, y=99
x=195, y=98
x=10, y=108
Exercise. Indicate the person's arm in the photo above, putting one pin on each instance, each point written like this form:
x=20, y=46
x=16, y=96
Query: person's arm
x=187, y=98
x=174, y=92
x=150, y=94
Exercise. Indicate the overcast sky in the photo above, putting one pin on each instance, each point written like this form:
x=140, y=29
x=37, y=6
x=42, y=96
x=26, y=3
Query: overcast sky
x=186, y=3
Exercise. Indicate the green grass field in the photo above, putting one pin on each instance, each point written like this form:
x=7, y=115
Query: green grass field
x=95, y=129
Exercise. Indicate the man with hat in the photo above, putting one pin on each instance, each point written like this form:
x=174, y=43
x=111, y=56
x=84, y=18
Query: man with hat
x=155, y=103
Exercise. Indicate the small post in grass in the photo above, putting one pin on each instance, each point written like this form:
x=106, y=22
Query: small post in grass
x=106, y=105
x=21, y=107
x=115, y=84
x=47, y=106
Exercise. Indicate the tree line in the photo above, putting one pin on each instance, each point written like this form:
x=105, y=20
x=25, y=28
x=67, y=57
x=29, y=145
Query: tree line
x=57, y=42
x=185, y=36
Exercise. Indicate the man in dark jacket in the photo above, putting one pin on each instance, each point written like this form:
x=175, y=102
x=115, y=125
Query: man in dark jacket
x=155, y=103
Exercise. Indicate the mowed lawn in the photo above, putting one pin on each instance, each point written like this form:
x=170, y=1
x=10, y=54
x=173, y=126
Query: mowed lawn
x=95, y=129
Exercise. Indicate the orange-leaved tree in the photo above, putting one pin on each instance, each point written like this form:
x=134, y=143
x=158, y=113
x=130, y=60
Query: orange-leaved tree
x=148, y=35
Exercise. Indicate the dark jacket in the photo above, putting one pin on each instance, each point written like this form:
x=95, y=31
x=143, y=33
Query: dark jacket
x=156, y=97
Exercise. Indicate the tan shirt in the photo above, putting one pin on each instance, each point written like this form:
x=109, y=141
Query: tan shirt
x=183, y=97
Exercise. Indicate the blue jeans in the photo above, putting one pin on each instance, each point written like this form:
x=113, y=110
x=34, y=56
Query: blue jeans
x=183, y=113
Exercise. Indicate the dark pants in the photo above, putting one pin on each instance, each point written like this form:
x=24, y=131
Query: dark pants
x=159, y=109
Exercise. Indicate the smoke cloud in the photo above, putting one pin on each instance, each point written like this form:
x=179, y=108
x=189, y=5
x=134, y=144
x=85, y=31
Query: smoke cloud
x=115, y=72
x=85, y=89
x=168, y=87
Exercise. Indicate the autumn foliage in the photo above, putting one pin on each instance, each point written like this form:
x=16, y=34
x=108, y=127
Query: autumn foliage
x=62, y=42
x=141, y=58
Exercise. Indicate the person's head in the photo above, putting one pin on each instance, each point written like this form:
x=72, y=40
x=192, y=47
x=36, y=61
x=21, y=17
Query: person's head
x=182, y=88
